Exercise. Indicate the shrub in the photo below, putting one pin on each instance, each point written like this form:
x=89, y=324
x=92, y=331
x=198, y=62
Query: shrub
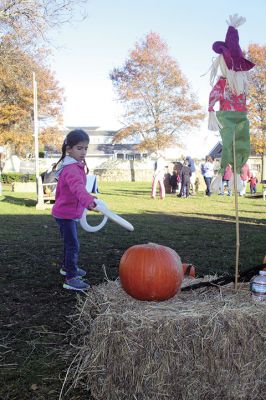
x=17, y=177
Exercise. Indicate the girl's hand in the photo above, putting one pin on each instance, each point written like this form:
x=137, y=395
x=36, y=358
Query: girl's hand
x=92, y=205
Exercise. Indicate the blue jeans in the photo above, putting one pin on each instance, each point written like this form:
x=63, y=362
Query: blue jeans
x=225, y=182
x=69, y=234
x=208, y=185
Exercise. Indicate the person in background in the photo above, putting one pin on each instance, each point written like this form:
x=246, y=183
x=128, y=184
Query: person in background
x=178, y=179
x=197, y=184
x=158, y=177
x=226, y=180
x=245, y=176
x=167, y=181
x=173, y=181
x=177, y=168
x=253, y=183
x=207, y=171
x=191, y=165
x=185, y=180
x=71, y=199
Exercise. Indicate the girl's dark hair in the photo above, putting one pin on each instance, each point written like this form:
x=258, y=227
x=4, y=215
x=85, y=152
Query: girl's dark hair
x=73, y=138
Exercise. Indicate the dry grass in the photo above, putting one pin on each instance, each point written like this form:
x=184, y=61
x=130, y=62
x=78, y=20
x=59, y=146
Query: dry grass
x=207, y=343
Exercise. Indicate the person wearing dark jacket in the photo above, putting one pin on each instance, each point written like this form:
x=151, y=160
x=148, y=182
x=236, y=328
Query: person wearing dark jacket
x=185, y=180
x=191, y=165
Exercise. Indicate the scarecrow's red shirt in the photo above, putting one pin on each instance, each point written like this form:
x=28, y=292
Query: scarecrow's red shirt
x=228, y=100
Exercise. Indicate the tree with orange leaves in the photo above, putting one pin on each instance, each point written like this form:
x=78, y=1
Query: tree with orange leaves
x=24, y=29
x=257, y=95
x=16, y=95
x=158, y=99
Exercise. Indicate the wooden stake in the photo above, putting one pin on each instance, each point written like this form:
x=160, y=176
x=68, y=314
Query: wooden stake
x=237, y=217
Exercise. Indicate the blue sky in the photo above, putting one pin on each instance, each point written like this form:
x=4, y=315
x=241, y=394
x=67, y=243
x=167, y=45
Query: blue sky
x=87, y=51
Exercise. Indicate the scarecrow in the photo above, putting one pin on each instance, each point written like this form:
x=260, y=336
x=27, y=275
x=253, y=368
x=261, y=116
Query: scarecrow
x=230, y=90
x=231, y=120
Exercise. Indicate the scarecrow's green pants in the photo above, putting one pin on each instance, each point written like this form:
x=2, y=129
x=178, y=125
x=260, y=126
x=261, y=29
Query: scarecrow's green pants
x=234, y=122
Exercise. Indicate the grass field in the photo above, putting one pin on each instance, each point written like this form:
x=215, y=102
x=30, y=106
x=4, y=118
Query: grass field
x=34, y=306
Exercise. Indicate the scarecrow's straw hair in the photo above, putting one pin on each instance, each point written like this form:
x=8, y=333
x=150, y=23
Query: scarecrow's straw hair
x=204, y=344
x=238, y=81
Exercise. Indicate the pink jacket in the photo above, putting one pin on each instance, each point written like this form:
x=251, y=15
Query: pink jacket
x=228, y=100
x=71, y=196
x=253, y=181
x=227, y=173
x=245, y=173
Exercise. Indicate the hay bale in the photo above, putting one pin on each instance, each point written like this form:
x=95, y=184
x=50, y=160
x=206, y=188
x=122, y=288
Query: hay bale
x=203, y=344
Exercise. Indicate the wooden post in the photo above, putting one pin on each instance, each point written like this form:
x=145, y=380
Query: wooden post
x=39, y=204
x=36, y=127
x=40, y=195
x=237, y=216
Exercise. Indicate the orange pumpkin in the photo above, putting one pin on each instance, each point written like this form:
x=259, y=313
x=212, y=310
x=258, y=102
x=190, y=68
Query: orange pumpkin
x=189, y=270
x=150, y=272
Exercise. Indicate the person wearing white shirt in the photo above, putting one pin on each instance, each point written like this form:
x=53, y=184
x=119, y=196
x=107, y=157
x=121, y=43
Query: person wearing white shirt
x=208, y=173
x=158, y=178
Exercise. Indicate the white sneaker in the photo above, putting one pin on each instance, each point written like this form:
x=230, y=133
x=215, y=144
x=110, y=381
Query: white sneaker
x=80, y=272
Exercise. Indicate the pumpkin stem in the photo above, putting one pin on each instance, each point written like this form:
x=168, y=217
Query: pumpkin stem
x=152, y=244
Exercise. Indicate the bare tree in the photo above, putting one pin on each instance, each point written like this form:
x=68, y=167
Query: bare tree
x=31, y=19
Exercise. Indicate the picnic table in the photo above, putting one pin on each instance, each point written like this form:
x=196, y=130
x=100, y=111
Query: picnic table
x=46, y=191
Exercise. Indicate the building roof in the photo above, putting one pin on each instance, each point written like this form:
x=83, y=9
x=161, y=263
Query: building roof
x=106, y=149
x=91, y=130
x=216, y=152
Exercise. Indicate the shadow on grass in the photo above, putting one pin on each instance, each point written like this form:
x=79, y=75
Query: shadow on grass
x=19, y=201
x=34, y=337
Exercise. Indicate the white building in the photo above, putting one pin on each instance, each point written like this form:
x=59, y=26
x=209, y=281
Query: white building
x=102, y=149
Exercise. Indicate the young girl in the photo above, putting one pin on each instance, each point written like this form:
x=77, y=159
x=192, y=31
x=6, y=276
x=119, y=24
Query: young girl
x=70, y=201
x=253, y=184
x=226, y=180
